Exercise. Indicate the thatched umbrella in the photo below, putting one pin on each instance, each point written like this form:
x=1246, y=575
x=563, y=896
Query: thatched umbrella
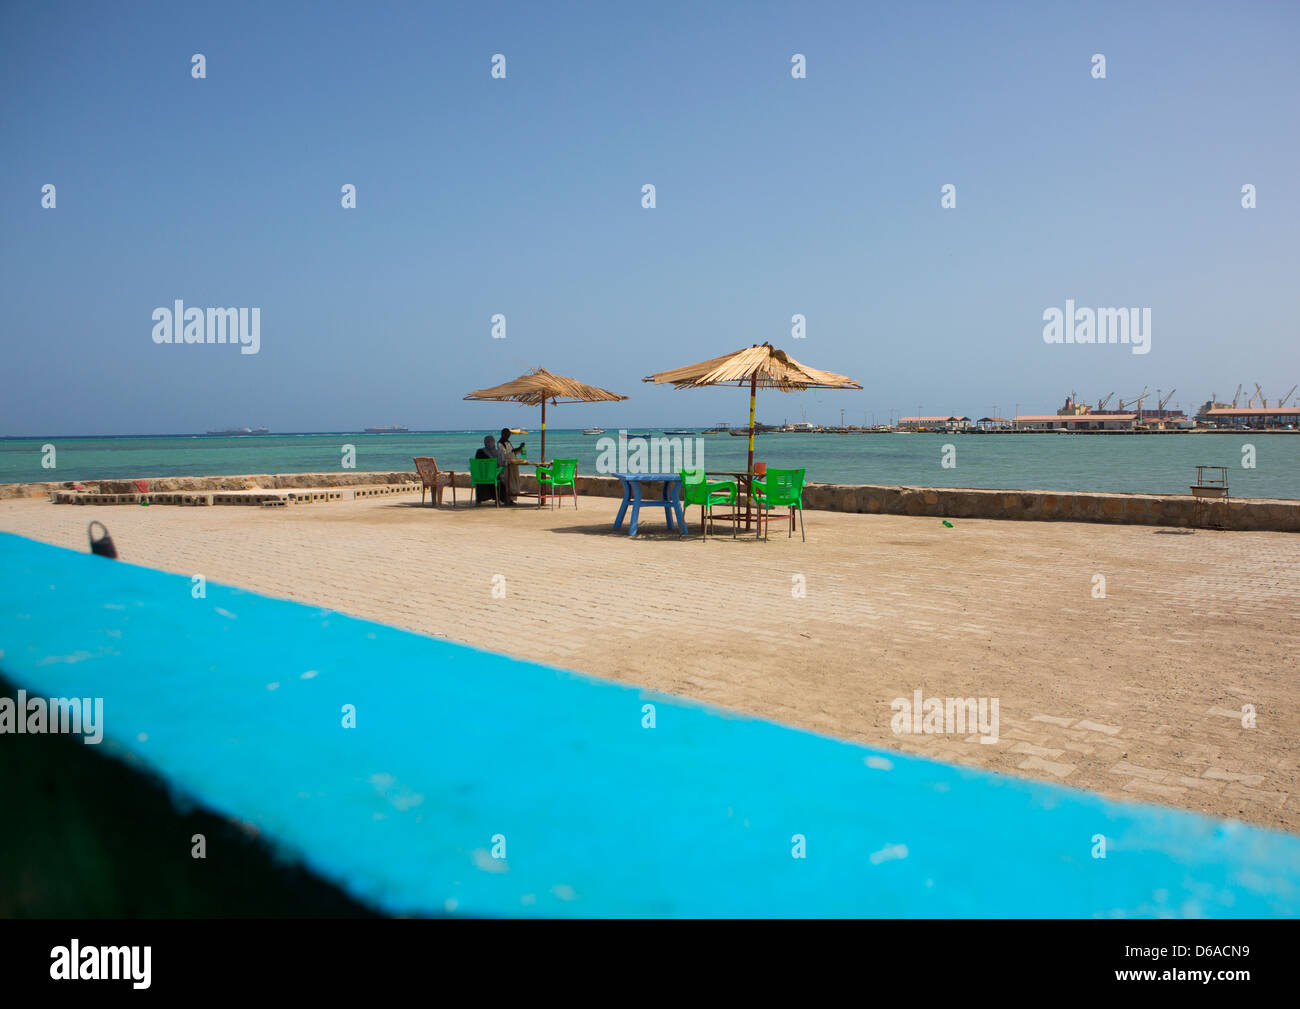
x=761, y=366
x=539, y=386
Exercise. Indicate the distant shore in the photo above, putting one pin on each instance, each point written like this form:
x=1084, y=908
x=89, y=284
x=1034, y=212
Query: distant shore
x=698, y=432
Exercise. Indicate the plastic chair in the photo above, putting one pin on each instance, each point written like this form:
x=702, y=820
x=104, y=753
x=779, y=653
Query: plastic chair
x=485, y=471
x=782, y=488
x=558, y=473
x=434, y=480
x=696, y=490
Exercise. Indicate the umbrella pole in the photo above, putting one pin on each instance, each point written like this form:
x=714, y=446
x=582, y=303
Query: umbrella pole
x=749, y=494
x=541, y=500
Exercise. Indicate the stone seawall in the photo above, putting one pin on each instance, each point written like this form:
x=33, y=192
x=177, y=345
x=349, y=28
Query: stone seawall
x=1054, y=506
x=262, y=481
x=1025, y=505
x=872, y=499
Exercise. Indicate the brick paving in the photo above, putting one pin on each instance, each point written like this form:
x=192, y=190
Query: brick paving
x=1138, y=695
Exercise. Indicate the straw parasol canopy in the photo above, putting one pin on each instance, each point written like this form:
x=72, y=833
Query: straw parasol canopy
x=761, y=366
x=539, y=387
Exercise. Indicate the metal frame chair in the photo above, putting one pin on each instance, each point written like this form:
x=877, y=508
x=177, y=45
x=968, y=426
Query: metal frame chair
x=1206, y=492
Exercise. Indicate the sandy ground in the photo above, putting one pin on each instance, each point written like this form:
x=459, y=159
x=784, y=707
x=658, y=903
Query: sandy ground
x=1138, y=695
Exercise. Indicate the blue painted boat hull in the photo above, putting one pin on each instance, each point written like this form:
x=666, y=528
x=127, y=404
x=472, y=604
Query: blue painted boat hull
x=237, y=701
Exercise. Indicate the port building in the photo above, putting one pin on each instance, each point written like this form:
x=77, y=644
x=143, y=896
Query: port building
x=940, y=423
x=1260, y=417
x=1076, y=422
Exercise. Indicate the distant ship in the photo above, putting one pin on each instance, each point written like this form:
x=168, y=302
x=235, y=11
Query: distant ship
x=593, y=430
x=674, y=434
x=388, y=429
x=743, y=432
x=232, y=432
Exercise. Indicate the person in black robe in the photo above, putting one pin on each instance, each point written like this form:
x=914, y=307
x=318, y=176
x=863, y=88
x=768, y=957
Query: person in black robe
x=484, y=491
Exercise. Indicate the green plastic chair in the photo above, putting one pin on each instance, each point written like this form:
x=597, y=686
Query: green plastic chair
x=558, y=473
x=782, y=488
x=696, y=490
x=485, y=471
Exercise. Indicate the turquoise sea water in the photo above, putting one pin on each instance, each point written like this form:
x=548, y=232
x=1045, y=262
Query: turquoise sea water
x=1150, y=463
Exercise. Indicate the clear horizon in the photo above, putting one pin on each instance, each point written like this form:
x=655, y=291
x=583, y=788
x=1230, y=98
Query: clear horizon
x=775, y=197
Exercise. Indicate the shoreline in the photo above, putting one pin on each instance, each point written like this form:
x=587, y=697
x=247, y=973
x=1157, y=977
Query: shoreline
x=698, y=432
x=1109, y=507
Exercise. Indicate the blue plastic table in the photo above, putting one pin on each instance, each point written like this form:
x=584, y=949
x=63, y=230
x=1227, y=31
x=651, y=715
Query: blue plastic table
x=671, y=502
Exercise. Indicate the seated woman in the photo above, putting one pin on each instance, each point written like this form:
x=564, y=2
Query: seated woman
x=509, y=473
x=483, y=491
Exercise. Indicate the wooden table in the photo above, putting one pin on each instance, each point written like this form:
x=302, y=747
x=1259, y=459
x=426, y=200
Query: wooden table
x=541, y=498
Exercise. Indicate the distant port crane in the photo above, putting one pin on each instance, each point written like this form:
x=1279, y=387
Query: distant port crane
x=1137, y=399
x=1282, y=402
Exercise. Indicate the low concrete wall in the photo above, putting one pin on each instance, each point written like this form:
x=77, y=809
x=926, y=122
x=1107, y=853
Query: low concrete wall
x=1052, y=506
x=1025, y=505
x=872, y=499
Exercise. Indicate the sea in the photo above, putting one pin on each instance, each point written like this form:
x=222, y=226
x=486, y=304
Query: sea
x=1258, y=464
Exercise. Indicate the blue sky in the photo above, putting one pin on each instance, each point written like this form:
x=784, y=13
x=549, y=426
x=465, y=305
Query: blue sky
x=522, y=196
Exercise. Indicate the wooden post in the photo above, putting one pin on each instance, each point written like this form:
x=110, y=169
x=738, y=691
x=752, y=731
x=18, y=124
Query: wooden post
x=541, y=501
x=749, y=497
